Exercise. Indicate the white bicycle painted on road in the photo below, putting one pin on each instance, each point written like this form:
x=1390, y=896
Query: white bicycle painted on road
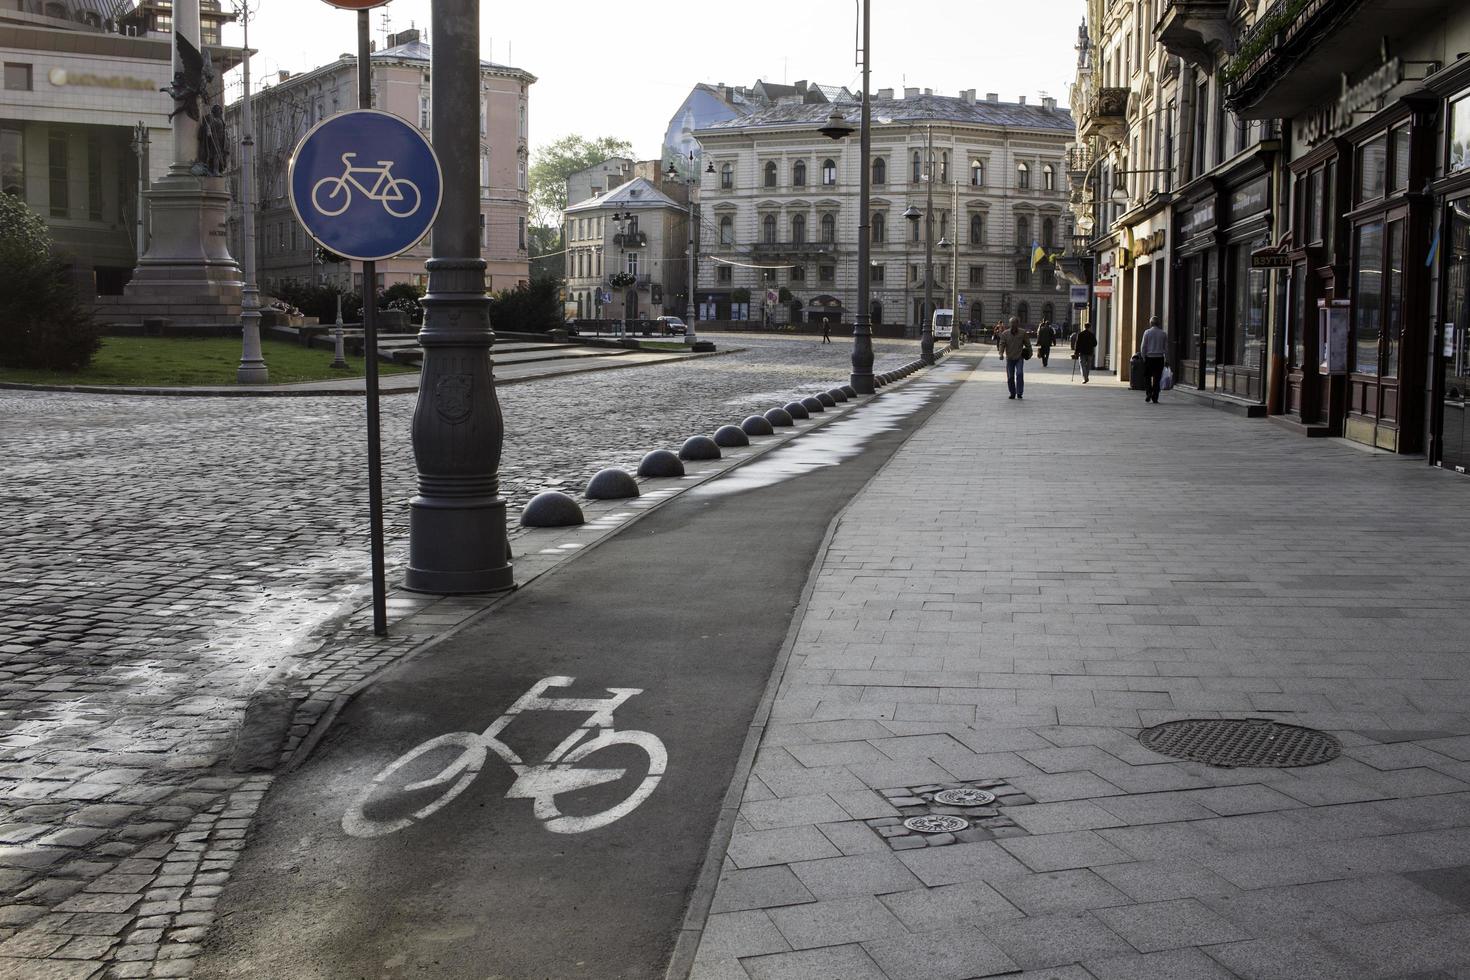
x=557, y=774
x=399, y=196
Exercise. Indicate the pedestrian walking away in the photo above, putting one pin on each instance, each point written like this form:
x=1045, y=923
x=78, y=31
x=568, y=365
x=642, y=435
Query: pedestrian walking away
x=1084, y=346
x=1015, y=347
x=1155, y=350
x=1046, y=335
x=826, y=331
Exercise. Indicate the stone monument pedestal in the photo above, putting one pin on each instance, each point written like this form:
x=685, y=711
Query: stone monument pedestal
x=188, y=277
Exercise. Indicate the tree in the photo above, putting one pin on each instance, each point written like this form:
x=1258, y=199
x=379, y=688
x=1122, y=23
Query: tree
x=43, y=323
x=548, y=253
x=528, y=308
x=552, y=166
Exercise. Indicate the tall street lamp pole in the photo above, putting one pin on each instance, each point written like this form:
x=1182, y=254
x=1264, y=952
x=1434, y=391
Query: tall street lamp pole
x=457, y=536
x=926, y=329
x=252, y=369
x=140, y=147
x=690, y=178
x=837, y=128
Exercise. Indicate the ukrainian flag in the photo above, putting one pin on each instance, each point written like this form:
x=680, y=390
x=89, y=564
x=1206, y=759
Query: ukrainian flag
x=1037, y=254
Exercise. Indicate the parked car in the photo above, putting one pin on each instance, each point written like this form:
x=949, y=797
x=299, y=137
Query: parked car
x=671, y=325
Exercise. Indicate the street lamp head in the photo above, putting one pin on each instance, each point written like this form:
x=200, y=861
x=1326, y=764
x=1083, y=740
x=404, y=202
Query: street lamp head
x=943, y=243
x=711, y=168
x=837, y=126
x=912, y=213
x=671, y=172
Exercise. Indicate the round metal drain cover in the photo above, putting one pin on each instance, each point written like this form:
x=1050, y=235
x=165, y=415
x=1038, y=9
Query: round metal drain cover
x=1233, y=742
x=964, y=797
x=936, y=824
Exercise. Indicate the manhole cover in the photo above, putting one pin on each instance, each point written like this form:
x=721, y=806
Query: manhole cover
x=936, y=824
x=964, y=797
x=1241, y=742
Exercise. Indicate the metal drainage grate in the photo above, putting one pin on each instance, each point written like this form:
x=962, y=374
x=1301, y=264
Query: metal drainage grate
x=965, y=796
x=1233, y=742
x=936, y=823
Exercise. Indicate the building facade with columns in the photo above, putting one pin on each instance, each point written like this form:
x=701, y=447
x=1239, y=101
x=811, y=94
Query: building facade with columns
x=283, y=110
x=82, y=116
x=779, y=214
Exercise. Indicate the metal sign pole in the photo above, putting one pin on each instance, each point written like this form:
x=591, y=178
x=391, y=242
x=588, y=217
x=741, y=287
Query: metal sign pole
x=370, y=355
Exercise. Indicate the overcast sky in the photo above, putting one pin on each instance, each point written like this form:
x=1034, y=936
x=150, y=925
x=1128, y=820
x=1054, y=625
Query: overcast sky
x=621, y=70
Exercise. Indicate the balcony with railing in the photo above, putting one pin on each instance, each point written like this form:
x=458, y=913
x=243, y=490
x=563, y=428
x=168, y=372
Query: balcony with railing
x=1107, y=115
x=1196, y=30
x=1295, y=55
x=630, y=239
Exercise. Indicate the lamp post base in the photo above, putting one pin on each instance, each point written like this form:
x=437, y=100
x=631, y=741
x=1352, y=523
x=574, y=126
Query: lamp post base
x=458, y=547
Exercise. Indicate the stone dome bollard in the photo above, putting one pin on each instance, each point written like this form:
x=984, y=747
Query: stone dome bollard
x=731, y=436
x=779, y=417
x=552, y=508
x=660, y=462
x=825, y=397
x=837, y=394
x=611, y=484
x=849, y=391
x=813, y=405
x=757, y=425
x=797, y=410
x=699, y=448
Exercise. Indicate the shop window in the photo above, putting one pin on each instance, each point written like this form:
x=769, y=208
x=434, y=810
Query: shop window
x=798, y=228
x=17, y=77
x=829, y=228
x=1296, y=328
x=829, y=173
x=879, y=229
x=1367, y=296
x=798, y=174
x=12, y=162
x=727, y=176
x=1393, y=297
x=1372, y=169
x=1458, y=127
x=1398, y=163
x=1248, y=308
x=770, y=178
x=880, y=171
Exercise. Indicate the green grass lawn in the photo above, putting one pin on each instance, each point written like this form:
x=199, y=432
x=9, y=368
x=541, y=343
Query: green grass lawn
x=182, y=361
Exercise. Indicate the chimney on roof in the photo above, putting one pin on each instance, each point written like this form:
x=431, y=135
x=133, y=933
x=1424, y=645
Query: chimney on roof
x=800, y=86
x=403, y=37
x=967, y=96
x=992, y=97
x=884, y=93
x=1049, y=104
x=928, y=91
x=910, y=93
x=1021, y=100
x=282, y=75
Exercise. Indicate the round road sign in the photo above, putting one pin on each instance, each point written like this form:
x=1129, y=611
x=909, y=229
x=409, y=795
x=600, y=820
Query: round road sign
x=365, y=184
x=356, y=4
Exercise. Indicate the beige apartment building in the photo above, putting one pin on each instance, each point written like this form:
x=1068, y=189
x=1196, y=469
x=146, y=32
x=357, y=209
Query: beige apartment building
x=287, y=106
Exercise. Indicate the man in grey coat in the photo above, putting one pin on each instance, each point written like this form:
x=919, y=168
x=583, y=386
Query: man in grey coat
x=1155, y=350
x=1015, y=347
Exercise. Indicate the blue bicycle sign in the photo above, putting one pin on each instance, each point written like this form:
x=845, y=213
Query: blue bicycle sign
x=365, y=184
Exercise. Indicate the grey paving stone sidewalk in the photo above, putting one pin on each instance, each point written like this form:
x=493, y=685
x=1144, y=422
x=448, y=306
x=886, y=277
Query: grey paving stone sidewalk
x=1021, y=591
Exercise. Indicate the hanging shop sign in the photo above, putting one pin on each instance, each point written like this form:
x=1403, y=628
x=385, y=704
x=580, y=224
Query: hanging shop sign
x=1276, y=256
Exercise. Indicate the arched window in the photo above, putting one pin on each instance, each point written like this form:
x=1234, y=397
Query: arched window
x=1046, y=311
x=1023, y=313
x=771, y=174
x=916, y=234
x=918, y=167
x=880, y=171
x=1048, y=229
x=829, y=227
x=768, y=229
x=1048, y=178
x=798, y=174
x=829, y=172
x=880, y=228
x=944, y=167
x=1023, y=175
x=977, y=229
x=727, y=230
x=727, y=175
x=977, y=173
x=1023, y=231
x=798, y=228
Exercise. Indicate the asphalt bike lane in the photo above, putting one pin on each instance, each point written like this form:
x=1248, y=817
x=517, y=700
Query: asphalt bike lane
x=534, y=797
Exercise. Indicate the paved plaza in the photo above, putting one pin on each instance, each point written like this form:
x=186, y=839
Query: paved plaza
x=1016, y=593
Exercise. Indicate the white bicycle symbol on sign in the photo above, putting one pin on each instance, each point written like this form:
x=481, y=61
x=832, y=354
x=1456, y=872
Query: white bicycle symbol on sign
x=399, y=196
x=557, y=774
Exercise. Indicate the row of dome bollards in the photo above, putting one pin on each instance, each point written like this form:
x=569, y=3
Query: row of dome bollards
x=553, y=508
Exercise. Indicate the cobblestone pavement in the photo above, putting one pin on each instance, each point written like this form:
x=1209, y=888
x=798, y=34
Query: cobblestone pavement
x=1131, y=565
x=163, y=556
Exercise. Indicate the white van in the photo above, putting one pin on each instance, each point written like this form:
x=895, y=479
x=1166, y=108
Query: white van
x=943, y=324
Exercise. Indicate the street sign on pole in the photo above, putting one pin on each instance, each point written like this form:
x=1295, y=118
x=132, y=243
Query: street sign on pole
x=1078, y=296
x=365, y=184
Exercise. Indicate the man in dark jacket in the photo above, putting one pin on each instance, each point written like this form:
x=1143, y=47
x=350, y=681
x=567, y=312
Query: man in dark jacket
x=1086, y=347
x=1015, y=347
x=1045, y=337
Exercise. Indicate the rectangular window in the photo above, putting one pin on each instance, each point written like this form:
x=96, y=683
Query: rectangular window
x=426, y=114
x=482, y=233
x=913, y=273
x=1201, y=126
x=1399, y=159
x=977, y=275
x=56, y=151
x=722, y=274
x=521, y=234
x=826, y=273
x=12, y=163
x=1310, y=215
x=1393, y=307
x=1372, y=169
x=1248, y=309
x=633, y=263
x=17, y=77
x=768, y=275
x=1367, y=296
x=484, y=174
x=1023, y=275
x=875, y=273
x=798, y=273
x=483, y=116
